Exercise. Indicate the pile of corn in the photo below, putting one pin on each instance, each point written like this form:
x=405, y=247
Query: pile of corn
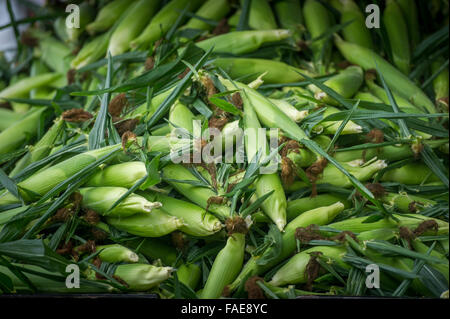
x=94, y=121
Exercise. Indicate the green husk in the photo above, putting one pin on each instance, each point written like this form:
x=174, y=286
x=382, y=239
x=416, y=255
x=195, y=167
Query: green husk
x=118, y=175
x=213, y=10
x=288, y=109
x=44, y=180
x=101, y=199
x=397, y=30
x=355, y=32
x=332, y=175
x=18, y=133
x=162, y=22
x=154, y=249
x=249, y=69
x=301, y=205
x=116, y=253
x=407, y=203
x=346, y=84
x=226, y=267
x=410, y=13
x=241, y=42
x=142, y=277
x=394, y=78
x=198, y=195
x=41, y=149
x=196, y=220
x=133, y=23
x=358, y=224
x=295, y=270
x=8, y=118
x=441, y=85
x=189, y=274
x=318, y=21
x=289, y=16
x=319, y=216
x=55, y=54
x=108, y=15
x=275, y=205
x=155, y=224
x=92, y=51
x=23, y=87
x=261, y=16
x=411, y=174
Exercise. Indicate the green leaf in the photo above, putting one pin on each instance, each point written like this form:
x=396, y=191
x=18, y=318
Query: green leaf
x=34, y=252
x=225, y=105
x=341, y=127
x=311, y=145
x=97, y=134
x=10, y=185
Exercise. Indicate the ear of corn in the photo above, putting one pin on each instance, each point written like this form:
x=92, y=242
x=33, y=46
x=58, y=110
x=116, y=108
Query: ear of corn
x=356, y=31
x=154, y=249
x=108, y=15
x=275, y=205
x=118, y=175
x=38, y=67
x=181, y=117
x=213, y=10
x=101, y=199
x=16, y=134
x=55, y=54
x=196, y=220
x=226, y=267
x=163, y=21
x=44, y=180
x=331, y=127
x=23, y=87
x=346, y=83
x=331, y=175
x=189, y=274
x=268, y=113
x=441, y=85
x=92, y=51
x=7, y=118
x=318, y=21
x=443, y=268
x=378, y=234
x=406, y=203
x=116, y=253
x=319, y=216
x=301, y=205
x=196, y=194
x=155, y=224
x=249, y=69
x=261, y=16
x=397, y=31
x=357, y=225
x=288, y=109
x=289, y=14
x=41, y=149
x=142, y=277
x=241, y=42
x=295, y=270
x=411, y=174
x=409, y=10
x=394, y=78
x=133, y=23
